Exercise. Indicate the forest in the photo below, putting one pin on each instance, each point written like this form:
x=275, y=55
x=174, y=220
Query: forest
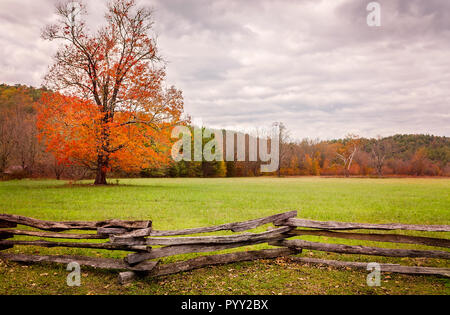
x=24, y=155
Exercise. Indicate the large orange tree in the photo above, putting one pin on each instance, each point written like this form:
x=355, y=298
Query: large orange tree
x=111, y=107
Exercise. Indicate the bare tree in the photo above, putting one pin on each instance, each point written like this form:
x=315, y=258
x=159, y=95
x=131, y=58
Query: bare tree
x=26, y=145
x=347, y=151
x=6, y=141
x=380, y=150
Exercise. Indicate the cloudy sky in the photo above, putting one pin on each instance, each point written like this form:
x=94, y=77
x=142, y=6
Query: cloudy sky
x=315, y=65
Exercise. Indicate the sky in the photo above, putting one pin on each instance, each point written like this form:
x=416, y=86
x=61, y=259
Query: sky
x=315, y=65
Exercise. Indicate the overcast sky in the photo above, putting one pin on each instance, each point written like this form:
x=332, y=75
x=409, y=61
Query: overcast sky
x=315, y=65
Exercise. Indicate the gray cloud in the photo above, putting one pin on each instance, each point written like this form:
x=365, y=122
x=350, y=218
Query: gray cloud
x=314, y=65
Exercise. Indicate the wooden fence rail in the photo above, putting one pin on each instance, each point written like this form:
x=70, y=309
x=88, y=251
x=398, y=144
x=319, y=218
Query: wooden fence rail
x=138, y=237
x=390, y=238
x=362, y=250
x=12, y=220
x=331, y=225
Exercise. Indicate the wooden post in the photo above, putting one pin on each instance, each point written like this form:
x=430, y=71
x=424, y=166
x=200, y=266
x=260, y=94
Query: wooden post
x=3, y=236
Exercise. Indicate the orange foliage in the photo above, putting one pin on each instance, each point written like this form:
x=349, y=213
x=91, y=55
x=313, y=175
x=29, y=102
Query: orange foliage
x=73, y=130
x=116, y=111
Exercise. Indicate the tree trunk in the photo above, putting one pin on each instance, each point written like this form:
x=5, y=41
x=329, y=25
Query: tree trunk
x=380, y=171
x=347, y=172
x=102, y=167
x=103, y=155
x=100, y=178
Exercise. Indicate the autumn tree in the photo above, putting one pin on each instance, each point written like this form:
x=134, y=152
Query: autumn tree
x=347, y=151
x=419, y=162
x=18, y=143
x=111, y=107
x=6, y=140
x=26, y=146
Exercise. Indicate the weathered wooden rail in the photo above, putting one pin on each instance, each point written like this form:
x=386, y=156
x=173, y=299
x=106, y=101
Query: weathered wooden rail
x=138, y=237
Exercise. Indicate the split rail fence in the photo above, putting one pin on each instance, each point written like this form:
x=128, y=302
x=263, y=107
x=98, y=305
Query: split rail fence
x=139, y=238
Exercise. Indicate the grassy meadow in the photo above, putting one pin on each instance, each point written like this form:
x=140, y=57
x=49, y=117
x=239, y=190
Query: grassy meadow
x=184, y=203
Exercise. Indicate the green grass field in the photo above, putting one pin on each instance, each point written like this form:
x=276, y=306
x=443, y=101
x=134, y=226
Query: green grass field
x=184, y=203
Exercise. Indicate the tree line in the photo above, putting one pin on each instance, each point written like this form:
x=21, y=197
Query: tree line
x=23, y=155
x=399, y=155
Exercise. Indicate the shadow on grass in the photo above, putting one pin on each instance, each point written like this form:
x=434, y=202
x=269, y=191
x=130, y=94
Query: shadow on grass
x=31, y=185
x=109, y=186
